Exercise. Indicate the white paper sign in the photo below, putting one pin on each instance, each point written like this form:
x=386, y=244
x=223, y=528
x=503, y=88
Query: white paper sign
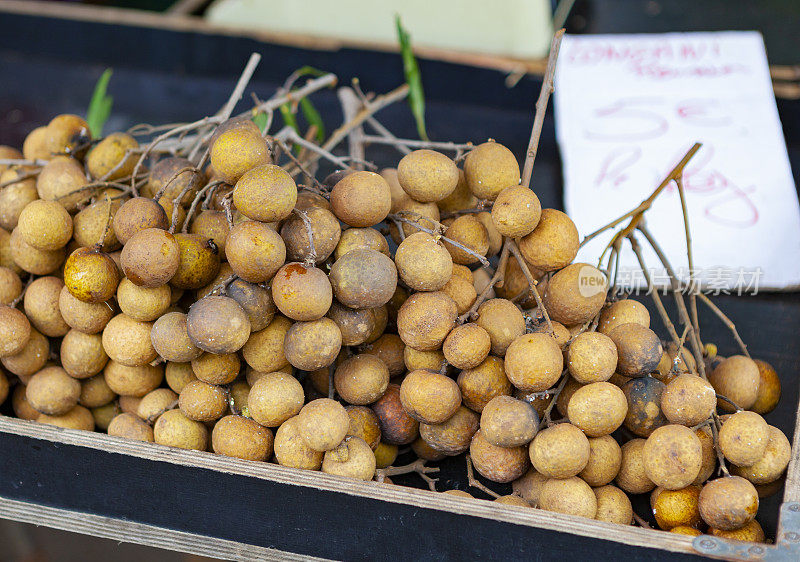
x=628, y=107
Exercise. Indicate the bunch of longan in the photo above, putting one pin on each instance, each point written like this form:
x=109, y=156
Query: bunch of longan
x=225, y=308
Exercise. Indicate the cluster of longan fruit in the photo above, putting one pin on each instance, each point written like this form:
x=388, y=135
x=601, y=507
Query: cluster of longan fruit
x=226, y=308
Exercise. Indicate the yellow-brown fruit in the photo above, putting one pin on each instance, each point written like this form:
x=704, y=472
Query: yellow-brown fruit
x=572, y=496
x=129, y=404
x=688, y=400
x=61, y=180
x=52, y=391
x=199, y=262
x=495, y=238
x=503, y=321
x=236, y=151
x=423, y=263
x=467, y=346
x=151, y=257
x=529, y=485
x=623, y=312
x=769, y=388
x=576, y=294
x=512, y=499
x=35, y=350
x=425, y=215
x=353, y=458
x=41, y=306
x=174, y=429
x=4, y=387
x=361, y=199
x=203, y=402
x=361, y=379
x=155, y=403
x=736, y=378
x=674, y=508
x=461, y=291
x=508, y=422
x=389, y=349
x=178, y=375
x=397, y=427
x=132, y=381
x=77, y=418
x=45, y=225
x=470, y=233
x=743, y=438
x=35, y=146
x=482, y=383
x=302, y=293
x=265, y=193
x=353, y=238
x=668, y=369
x=143, y=303
x=613, y=505
x=683, y=530
x=14, y=197
x=254, y=251
x=644, y=397
x=91, y=275
x=325, y=235
x=429, y=397
x=397, y=193
x=498, y=464
x=356, y=325
x=516, y=211
x=172, y=179
x=598, y=408
x=264, y=349
x=82, y=355
x=22, y=409
x=770, y=466
x=709, y=454
x=363, y=278
x=672, y=456
x=560, y=451
x=591, y=357
x=415, y=359
x=10, y=153
x=638, y=349
x=312, y=345
x=137, y=214
x=217, y=368
x=212, y=225
x=632, y=476
x=130, y=426
x=32, y=260
x=15, y=331
x=533, y=362
x=490, y=168
x=426, y=175
x=68, y=134
x=104, y=414
x=89, y=225
x=112, y=158
x=728, y=503
x=274, y=398
x=239, y=437
x=751, y=532
x=217, y=324
x=552, y=244
x=425, y=320
x=364, y=423
x=255, y=300
x=81, y=316
x=605, y=459
x=291, y=450
x=385, y=455
x=170, y=338
x=453, y=436
x=323, y=424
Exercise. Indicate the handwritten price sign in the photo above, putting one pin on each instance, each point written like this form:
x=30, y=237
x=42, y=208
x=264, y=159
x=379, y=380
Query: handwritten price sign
x=629, y=106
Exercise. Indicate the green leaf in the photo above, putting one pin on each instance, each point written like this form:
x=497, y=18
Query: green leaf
x=260, y=119
x=310, y=71
x=288, y=117
x=100, y=105
x=416, y=95
x=313, y=117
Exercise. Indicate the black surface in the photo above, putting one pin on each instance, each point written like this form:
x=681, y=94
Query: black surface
x=50, y=66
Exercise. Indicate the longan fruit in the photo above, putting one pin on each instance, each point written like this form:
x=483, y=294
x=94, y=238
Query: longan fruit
x=33, y=354
x=129, y=404
x=10, y=153
x=363, y=278
x=769, y=388
x=674, y=508
x=528, y=486
x=203, y=402
x=212, y=225
x=364, y=423
x=353, y=238
x=61, y=180
x=361, y=199
x=482, y=383
x=751, y=532
x=302, y=293
x=575, y=294
x=91, y=275
x=169, y=338
x=239, y=437
x=425, y=320
x=397, y=193
x=385, y=454
x=218, y=324
x=323, y=424
x=15, y=331
x=4, y=387
x=591, y=357
x=638, y=348
x=644, y=397
x=428, y=397
x=511, y=499
x=254, y=251
x=688, y=400
x=312, y=345
x=216, y=368
x=130, y=426
x=199, y=262
x=112, y=158
x=361, y=379
x=137, y=214
x=683, y=530
x=76, y=418
x=389, y=348
x=728, y=503
x=426, y=175
x=174, y=429
x=6, y=253
x=770, y=466
x=33, y=260
x=508, y=422
x=104, y=414
x=356, y=325
x=41, y=306
x=35, y=145
x=170, y=179
x=516, y=211
x=423, y=263
x=255, y=300
x=291, y=449
x=52, y=391
x=736, y=378
x=467, y=346
x=461, y=291
x=632, y=476
x=151, y=257
x=470, y=233
x=453, y=436
x=14, y=197
x=265, y=193
x=668, y=369
x=264, y=349
x=45, y=225
x=83, y=355
x=533, y=362
x=353, y=458
x=743, y=438
x=503, y=321
x=562, y=402
x=19, y=402
x=709, y=462
x=155, y=403
x=490, y=168
x=68, y=134
x=274, y=398
x=672, y=456
x=552, y=244
x=424, y=215
x=458, y=493
x=397, y=427
x=178, y=375
x=132, y=381
x=89, y=318
x=415, y=359
x=10, y=285
x=236, y=151
x=605, y=459
x=613, y=505
x=143, y=303
x=498, y=464
x=560, y=451
x=572, y=496
x=325, y=234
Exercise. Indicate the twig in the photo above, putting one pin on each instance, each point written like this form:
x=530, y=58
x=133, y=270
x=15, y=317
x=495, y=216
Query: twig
x=546, y=419
x=386, y=136
x=21, y=294
x=297, y=163
x=20, y=178
x=725, y=320
x=496, y=280
x=641, y=522
x=290, y=135
x=404, y=144
x=531, y=283
x=475, y=483
x=729, y=401
x=351, y=105
x=196, y=201
x=311, y=258
x=459, y=245
x=417, y=466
